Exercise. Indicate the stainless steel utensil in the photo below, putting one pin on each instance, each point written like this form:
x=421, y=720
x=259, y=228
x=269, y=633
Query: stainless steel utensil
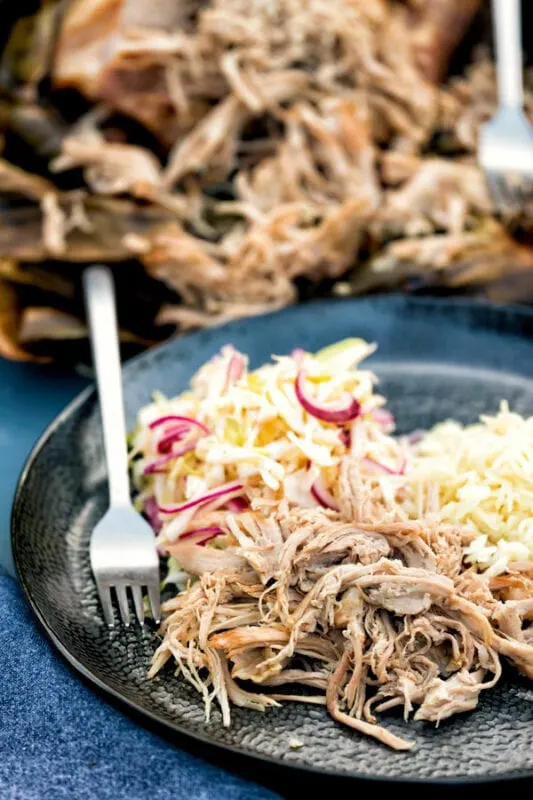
x=506, y=141
x=123, y=552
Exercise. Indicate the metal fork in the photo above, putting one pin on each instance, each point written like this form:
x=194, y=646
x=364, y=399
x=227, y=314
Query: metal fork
x=123, y=552
x=506, y=141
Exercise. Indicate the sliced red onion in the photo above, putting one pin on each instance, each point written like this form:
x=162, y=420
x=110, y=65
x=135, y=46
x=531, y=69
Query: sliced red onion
x=237, y=504
x=371, y=462
x=338, y=413
x=204, y=534
x=298, y=355
x=346, y=437
x=154, y=465
x=177, y=418
x=221, y=491
x=177, y=526
x=235, y=371
x=383, y=417
x=173, y=435
x=151, y=512
x=220, y=502
x=415, y=436
x=323, y=496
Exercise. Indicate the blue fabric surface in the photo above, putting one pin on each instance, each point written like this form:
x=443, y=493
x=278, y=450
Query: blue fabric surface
x=59, y=739
x=30, y=398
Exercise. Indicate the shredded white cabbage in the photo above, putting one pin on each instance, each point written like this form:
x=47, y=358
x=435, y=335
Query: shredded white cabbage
x=483, y=475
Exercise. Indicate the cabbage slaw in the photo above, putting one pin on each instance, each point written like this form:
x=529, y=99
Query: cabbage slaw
x=277, y=433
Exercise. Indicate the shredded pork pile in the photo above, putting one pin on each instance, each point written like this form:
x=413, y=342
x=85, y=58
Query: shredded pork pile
x=351, y=609
x=288, y=105
x=234, y=147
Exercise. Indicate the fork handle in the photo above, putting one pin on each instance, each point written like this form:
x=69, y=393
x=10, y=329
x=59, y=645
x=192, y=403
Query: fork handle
x=507, y=19
x=102, y=317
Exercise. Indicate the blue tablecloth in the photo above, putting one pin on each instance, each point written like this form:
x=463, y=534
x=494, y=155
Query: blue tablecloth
x=58, y=737
x=30, y=398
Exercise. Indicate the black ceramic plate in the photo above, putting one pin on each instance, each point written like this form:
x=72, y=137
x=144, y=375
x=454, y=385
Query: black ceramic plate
x=436, y=359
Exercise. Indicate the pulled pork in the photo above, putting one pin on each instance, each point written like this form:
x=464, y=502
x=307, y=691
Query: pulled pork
x=359, y=615
x=250, y=145
x=286, y=103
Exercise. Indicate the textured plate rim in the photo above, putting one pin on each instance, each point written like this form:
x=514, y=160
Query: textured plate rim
x=176, y=727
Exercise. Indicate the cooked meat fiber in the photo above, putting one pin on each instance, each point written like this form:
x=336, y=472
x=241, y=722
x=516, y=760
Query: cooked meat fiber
x=364, y=617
